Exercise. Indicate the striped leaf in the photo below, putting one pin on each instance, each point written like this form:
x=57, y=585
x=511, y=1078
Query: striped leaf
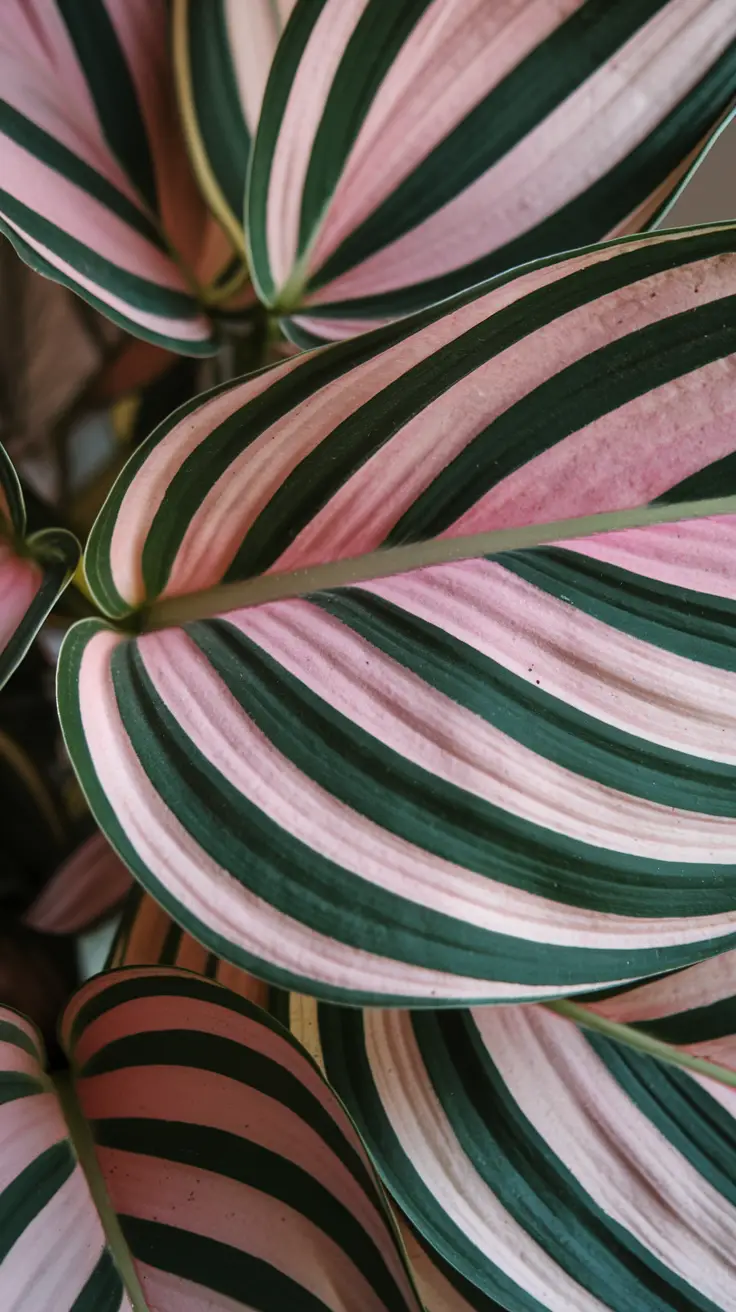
x=551, y=1167
x=223, y=1170
x=493, y=780
x=96, y=188
x=405, y=152
x=222, y=53
x=90, y=884
x=34, y=571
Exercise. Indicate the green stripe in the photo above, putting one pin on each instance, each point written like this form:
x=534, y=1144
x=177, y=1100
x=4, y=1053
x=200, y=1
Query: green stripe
x=220, y=120
x=688, y=1117
x=31, y=1191
x=602, y=381
x=532, y=1183
x=400, y=797
x=240, y=837
x=64, y=161
x=690, y=624
x=216, y=1266
x=717, y=479
x=369, y=429
x=234, y=1158
x=350, y=1074
x=376, y=41
x=171, y=944
x=16, y=1084
x=512, y=109
x=10, y=1033
x=283, y=70
x=543, y=723
x=10, y=485
x=714, y=1020
x=112, y=88
x=103, y=1291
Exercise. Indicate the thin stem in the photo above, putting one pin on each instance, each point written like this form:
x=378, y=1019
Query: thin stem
x=385, y=563
x=642, y=1042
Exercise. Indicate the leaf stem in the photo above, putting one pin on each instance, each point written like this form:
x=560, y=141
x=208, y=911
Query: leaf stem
x=387, y=562
x=642, y=1042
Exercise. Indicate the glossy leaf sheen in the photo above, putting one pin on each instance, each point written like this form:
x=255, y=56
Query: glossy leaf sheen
x=495, y=780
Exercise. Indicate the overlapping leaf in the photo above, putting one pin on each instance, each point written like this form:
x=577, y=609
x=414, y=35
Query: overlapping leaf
x=497, y=779
x=89, y=884
x=33, y=571
x=407, y=151
x=223, y=1171
x=96, y=187
x=223, y=51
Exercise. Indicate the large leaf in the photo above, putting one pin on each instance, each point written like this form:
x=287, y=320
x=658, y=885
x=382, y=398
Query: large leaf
x=551, y=1167
x=33, y=571
x=223, y=51
x=497, y=779
x=407, y=151
x=222, y=1165
x=96, y=187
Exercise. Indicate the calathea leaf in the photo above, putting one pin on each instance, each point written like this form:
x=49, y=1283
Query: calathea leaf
x=382, y=181
x=222, y=54
x=96, y=187
x=33, y=571
x=497, y=779
x=203, y=1161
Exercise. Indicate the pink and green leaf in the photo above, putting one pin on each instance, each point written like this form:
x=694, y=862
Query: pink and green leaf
x=96, y=187
x=499, y=779
x=406, y=152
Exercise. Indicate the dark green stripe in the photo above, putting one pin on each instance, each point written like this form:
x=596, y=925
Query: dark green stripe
x=111, y=85
x=321, y=474
x=693, y=1121
x=219, y=112
x=10, y=1033
x=714, y=1020
x=216, y=1266
x=542, y=81
x=377, y=39
x=576, y=396
x=170, y=947
x=533, y=717
x=16, y=1084
x=64, y=161
x=283, y=70
x=211, y=966
x=532, y=1183
x=235, y=1158
x=717, y=479
x=103, y=1291
x=434, y=815
x=31, y=1191
x=690, y=624
x=349, y=1072
x=242, y=838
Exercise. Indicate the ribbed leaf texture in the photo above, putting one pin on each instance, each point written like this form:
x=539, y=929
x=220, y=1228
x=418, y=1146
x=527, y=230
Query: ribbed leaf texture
x=33, y=571
x=97, y=192
x=492, y=780
x=225, y=1171
x=407, y=151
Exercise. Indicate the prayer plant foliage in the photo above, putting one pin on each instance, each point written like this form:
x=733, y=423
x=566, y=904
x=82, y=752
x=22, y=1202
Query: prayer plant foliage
x=501, y=778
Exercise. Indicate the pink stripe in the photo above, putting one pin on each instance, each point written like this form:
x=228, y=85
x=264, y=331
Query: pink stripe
x=218, y=728
x=13, y=1058
x=422, y=725
x=336, y=330
x=698, y=986
x=620, y=680
x=699, y=554
x=88, y=885
x=627, y=1166
x=450, y=61
x=28, y=1127
x=426, y=1136
x=567, y=152
x=253, y=34
x=20, y=580
x=26, y=1027
x=256, y=990
x=51, y=1261
x=191, y=955
x=167, y=1293
x=217, y=901
x=199, y=1097
x=196, y=329
x=302, y=115
x=197, y=1201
